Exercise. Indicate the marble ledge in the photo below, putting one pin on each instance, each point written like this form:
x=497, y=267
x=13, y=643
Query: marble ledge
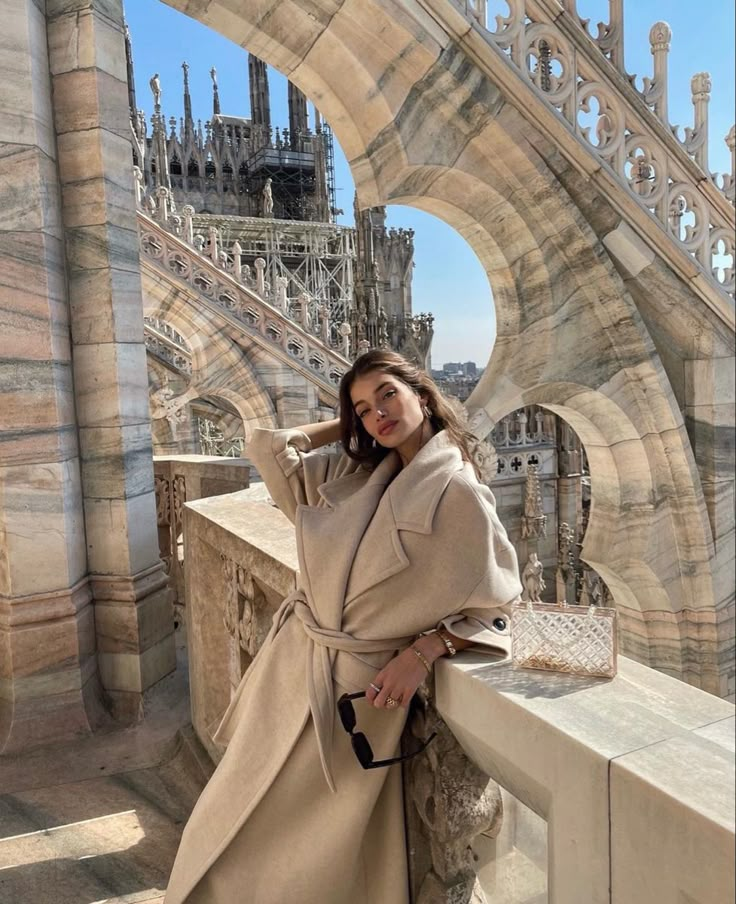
x=39, y=608
x=125, y=589
x=246, y=529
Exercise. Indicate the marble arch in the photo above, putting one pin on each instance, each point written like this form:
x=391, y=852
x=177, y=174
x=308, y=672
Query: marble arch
x=422, y=123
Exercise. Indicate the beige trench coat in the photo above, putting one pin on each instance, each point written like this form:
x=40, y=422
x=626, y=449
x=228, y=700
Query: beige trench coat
x=289, y=815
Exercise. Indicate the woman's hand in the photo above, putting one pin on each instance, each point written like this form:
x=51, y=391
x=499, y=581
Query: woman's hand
x=403, y=674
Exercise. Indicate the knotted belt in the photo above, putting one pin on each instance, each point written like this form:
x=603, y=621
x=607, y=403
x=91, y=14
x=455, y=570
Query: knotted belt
x=322, y=645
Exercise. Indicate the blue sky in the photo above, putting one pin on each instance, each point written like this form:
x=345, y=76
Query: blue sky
x=446, y=268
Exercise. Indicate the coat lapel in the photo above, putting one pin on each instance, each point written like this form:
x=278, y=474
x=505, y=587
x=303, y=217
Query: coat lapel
x=330, y=535
x=413, y=497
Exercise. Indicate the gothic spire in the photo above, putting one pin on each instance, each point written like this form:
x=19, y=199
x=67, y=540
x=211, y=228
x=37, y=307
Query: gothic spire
x=188, y=118
x=215, y=93
x=260, y=103
x=298, y=117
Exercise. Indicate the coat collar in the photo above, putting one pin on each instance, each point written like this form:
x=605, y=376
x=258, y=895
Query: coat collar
x=415, y=490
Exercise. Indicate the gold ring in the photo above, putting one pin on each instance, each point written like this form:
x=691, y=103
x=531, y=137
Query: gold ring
x=390, y=702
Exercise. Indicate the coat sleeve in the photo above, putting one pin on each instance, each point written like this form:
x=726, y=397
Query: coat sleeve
x=485, y=615
x=290, y=469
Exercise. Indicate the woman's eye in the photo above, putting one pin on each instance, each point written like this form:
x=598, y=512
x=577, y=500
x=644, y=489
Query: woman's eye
x=362, y=414
x=390, y=393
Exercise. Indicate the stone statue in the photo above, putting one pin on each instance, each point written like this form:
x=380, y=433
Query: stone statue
x=282, y=301
x=213, y=76
x=595, y=589
x=155, y=84
x=363, y=346
x=139, y=185
x=304, y=315
x=382, y=327
x=346, y=331
x=267, y=198
x=324, y=323
x=213, y=243
x=532, y=580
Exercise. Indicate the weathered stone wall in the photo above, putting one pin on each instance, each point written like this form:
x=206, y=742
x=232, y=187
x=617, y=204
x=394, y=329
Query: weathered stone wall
x=83, y=594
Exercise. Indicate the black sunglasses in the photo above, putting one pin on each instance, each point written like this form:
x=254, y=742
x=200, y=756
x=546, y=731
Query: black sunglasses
x=361, y=747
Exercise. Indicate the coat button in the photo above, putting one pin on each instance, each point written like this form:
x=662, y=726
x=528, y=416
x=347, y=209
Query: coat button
x=499, y=624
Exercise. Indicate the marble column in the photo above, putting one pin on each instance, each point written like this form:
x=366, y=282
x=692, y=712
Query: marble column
x=132, y=602
x=48, y=677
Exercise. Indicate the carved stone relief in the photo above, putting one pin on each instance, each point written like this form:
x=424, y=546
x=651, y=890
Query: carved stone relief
x=453, y=803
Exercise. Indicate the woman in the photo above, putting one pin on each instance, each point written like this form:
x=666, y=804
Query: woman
x=395, y=537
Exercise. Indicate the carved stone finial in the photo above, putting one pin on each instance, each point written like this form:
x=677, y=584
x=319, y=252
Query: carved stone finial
x=660, y=36
x=533, y=521
x=700, y=86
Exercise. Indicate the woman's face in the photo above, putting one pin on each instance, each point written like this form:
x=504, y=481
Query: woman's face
x=389, y=410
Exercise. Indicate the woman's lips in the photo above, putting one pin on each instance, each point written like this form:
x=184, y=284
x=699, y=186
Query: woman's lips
x=387, y=428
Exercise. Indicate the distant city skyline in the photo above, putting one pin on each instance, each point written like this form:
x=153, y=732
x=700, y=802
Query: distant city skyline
x=449, y=280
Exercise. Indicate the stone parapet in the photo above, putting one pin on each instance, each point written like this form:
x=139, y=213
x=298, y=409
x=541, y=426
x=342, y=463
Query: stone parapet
x=634, y=777
x=182, y=478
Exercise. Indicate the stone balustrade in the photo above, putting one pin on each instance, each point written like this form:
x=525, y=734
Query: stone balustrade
x=582, y=79
x=178, y=478
x=233, y=294
x=608, y=791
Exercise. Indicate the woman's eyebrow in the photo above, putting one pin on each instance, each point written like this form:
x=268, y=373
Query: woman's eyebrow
x=375, y=392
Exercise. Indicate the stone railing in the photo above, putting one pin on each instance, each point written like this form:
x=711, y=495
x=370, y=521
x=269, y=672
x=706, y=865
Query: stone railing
x=167, y=345
x=582, y=79
x=180, y=478
x=618, y=792
x=266, y=324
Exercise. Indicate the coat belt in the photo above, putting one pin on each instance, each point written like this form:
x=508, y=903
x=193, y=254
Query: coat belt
x=322, y=645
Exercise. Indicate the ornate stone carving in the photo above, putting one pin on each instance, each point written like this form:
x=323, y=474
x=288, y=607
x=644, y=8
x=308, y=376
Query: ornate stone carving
x=244, y=603
x=634, y=141
x=454, y=802
x=163, y=510
x=533, y=521
x=179, y=497
x=225, y=291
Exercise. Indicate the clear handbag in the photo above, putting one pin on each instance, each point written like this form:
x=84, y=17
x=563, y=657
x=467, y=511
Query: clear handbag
x=577, y=640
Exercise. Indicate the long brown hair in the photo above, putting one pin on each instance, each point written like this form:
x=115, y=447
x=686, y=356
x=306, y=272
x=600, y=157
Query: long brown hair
x=356, y=440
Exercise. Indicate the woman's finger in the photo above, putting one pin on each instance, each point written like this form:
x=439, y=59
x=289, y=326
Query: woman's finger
x=373, y=690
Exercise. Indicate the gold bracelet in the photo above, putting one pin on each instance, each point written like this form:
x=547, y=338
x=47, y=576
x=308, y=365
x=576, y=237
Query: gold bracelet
x=423, y=659
x=445, y=638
